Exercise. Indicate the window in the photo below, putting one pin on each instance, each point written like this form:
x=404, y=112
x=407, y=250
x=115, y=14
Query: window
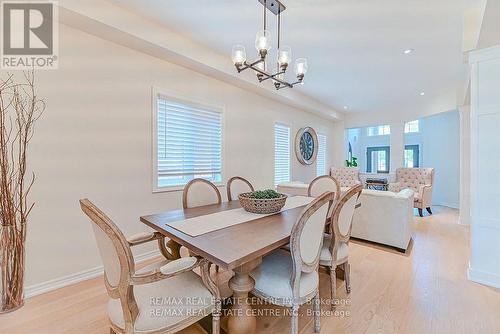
x=412, y=153
x=188, y=142
x=380, y=130
x=378, y=159
x=281, y=154
x=321, y=159
x=412, y=127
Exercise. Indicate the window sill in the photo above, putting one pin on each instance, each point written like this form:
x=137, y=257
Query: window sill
x=179, y=188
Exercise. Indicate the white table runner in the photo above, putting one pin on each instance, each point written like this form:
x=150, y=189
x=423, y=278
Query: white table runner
x=216, y=221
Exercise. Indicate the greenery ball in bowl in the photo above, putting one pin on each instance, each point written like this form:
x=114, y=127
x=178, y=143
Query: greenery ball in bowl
x=262, y=201
x=265, y=194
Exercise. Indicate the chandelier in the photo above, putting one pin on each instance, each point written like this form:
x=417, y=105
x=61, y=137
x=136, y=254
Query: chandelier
x=263, y=45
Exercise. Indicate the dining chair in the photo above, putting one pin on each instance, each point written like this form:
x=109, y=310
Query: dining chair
x=291, y=279
x=335, y=250
x=139, y=298
x=199, y=192
x=322, y=184
x=237, y=185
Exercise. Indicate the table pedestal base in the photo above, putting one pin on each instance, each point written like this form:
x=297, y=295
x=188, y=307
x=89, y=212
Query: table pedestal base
x=241, y=318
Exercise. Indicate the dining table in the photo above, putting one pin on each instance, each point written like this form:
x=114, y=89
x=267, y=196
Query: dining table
x=238, y=247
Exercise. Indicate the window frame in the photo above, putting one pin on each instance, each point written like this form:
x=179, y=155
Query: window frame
x=377, y=128
x=325, y=157
x=410, y=132
x=155, y=94
x=372, y=149
x=289, y=150
x=413, y=147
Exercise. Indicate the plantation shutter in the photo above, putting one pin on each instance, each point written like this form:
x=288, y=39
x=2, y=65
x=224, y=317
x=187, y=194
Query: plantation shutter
x=281, y=154
x=189, y=142
x=321, y=159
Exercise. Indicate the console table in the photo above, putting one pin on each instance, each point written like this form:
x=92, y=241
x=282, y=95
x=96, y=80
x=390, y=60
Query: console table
x=377, y=184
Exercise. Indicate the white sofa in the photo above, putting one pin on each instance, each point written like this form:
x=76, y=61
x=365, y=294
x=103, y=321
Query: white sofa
x=295, y=188
x=385, y=217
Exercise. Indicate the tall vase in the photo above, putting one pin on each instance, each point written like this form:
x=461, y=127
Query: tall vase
x=12, y=255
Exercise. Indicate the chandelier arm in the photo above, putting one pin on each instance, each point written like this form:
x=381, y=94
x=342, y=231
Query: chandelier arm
x=248, y=65
x=273, y=75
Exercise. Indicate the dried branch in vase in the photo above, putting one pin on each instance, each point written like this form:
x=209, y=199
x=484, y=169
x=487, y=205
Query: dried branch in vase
x=20, y=108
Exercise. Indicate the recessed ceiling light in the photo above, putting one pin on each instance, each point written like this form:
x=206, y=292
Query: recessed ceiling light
x=408, y=51
x=422, y=93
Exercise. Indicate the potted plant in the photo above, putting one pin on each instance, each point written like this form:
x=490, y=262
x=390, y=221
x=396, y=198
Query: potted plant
x=20, y=108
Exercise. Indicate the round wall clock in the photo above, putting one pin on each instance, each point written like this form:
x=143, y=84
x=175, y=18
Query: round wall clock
x=306, y=145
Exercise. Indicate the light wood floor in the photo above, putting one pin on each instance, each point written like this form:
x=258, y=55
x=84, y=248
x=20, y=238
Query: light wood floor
x=424, y=291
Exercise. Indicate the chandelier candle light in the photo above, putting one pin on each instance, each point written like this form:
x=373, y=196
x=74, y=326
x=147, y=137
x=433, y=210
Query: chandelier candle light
x=263, y=45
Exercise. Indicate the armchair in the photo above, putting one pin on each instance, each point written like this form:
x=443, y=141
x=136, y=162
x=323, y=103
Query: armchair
x=420, y=180
x=347, y=176
x=139, y=298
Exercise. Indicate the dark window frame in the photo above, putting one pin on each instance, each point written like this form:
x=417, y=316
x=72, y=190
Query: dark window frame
x=416, y=149
x=370, y=150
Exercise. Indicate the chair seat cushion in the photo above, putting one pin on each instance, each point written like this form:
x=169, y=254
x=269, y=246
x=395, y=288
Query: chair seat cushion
x=326, y=257
x=272, y=278
x=165, y=303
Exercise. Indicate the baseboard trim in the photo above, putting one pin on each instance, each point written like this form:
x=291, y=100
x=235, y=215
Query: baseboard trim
x=483, y=277
x=449, y=205
x=39, y=288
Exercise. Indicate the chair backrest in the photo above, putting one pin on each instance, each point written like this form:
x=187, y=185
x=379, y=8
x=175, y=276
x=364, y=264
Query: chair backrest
x=347, y=176
x=199, y=192
x=323, y=184
x=307, y=238
x=113, y=247
x=117, y=259
x=342, y=214
x=413, y=178
x=237, y=185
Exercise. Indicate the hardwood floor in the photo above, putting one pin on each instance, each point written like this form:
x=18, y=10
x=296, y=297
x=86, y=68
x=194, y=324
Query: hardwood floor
x=423, y=291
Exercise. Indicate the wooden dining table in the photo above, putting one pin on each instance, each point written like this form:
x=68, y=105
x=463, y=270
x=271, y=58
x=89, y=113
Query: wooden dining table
x=239, y=248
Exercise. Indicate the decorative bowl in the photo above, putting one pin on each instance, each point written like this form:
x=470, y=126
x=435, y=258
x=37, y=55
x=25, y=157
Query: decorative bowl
x=262, y=206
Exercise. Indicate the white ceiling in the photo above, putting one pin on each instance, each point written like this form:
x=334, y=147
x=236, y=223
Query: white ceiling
x=354, y=47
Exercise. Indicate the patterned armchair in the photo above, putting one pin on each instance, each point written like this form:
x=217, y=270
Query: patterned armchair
x=420, y=180
x=347, y=176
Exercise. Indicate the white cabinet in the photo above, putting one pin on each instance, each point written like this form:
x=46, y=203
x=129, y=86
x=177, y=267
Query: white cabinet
x=485, y=166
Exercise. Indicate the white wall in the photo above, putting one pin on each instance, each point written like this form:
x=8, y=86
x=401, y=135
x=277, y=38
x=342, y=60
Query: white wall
x=441, y=150
x=95, y=141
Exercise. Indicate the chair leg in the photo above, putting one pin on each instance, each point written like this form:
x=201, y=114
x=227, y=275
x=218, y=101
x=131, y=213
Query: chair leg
x=420, y=212
x=429, y=210
x=317, y=314
x=333, y=286
x=347, y=277
x=295, y=320
x=216, y=318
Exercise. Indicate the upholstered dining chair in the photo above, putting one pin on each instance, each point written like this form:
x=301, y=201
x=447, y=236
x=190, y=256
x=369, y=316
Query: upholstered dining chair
x=335, y=250
x=237, y=185
x=291, y=279
x=199, y=192
x=139, y=298
x=323, y=184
